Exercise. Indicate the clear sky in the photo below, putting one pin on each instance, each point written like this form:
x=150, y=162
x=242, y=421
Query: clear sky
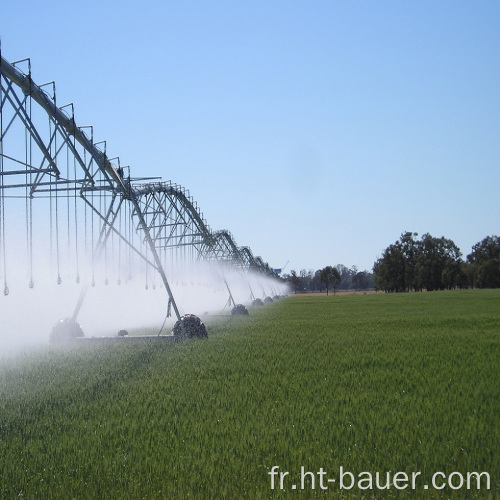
x=315, y=131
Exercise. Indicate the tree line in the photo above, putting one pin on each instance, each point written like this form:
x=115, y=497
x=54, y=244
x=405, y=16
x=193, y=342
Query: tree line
x=332, y=278
x=431, y=263
x=411, y=264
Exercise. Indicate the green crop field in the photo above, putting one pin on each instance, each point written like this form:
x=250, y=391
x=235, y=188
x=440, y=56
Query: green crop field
x=387, y=383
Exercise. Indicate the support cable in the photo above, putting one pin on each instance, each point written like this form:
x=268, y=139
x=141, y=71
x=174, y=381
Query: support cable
x=120, y=229
x=106, y=280
x=76, y=217
x=51, y=224
x=85, y=218
x=147, y=287
x=58, y=256
x=132, y=234
x=68, y=222
x=128, y=237
x=112, y=245
x=29, y=197
x=92, y=239
x=2, y=188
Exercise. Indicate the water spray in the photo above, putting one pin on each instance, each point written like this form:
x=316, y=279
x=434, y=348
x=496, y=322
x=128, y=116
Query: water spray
x=157, y=222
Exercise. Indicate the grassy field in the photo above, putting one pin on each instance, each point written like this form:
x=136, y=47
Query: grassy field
x=376, y=382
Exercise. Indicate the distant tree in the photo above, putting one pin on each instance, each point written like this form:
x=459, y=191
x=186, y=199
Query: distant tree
x=484, y=263
x=354, y=277
x=335, y=279
x=395, y=270
x=330, y=277
x=431, y=264
x=437, y=264
x=311, y=280
x=487, y=249
x=410, y=249
x=389, y=270
x=306, y=279
x=303, y=275
x=316, y=283
x=362, y=280
x=488, y=274
x=294, y=280
x=345, y=277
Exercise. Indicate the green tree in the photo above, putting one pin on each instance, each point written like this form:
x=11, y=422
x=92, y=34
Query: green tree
x=330, y=276
x=438, y=263
x=316, y=281
x=294, y=280
x=389, y=270
x=409, y=248
x=484, y=263
x=408, y=264
x=345, y=276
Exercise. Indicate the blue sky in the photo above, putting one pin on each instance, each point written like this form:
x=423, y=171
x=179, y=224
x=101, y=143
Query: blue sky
x=316, y=132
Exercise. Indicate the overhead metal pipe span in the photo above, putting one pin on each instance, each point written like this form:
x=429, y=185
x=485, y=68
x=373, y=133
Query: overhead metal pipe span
x=29, y=87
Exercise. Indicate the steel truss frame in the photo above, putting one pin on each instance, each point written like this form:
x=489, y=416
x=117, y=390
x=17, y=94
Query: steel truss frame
x=168, y=219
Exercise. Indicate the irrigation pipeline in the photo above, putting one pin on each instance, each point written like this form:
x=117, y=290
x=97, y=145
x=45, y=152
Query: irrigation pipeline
x=60, y=162
x=26, y=84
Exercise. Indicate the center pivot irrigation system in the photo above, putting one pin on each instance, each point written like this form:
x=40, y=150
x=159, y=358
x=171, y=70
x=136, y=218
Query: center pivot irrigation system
x=62, y=198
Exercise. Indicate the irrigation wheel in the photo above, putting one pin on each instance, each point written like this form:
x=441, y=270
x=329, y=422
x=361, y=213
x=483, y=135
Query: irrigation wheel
x=189, y=326
x=64, y=330
x=239, y=310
